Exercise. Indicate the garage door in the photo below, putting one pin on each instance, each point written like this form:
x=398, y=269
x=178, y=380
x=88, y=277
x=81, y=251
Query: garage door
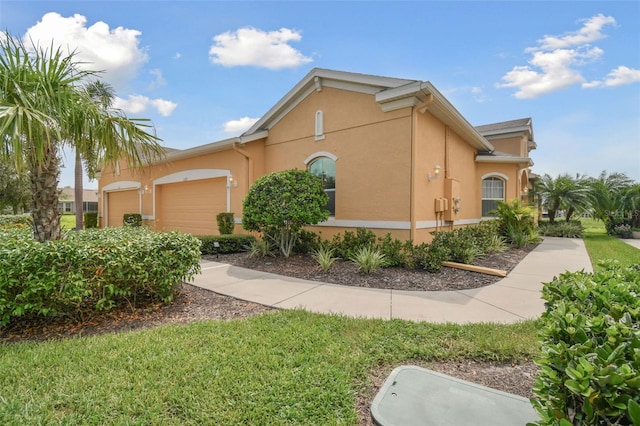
x=121, y=202
x=192, y=206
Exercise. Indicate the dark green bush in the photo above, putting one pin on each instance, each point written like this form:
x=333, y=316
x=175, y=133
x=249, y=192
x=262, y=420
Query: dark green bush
x=132, y=219
x=90, y=220
x=455, y=246
x=234, y=243
x=226, y=223
x=307, y=242
x=345, y=246
x=395, y=251
x=590, y=362
x=571, y=229
x=428, y=257
x=91, y=269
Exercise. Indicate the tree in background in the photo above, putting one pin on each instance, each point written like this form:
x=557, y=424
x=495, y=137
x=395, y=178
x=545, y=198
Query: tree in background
x=563, y=193
x=42, y=106
x=281, y=203
x=606, y=197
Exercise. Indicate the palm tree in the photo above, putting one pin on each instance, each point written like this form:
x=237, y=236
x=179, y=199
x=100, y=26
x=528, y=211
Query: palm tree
x=41, y=106
x=102, y=94
x=563, y=193
x=606, y=193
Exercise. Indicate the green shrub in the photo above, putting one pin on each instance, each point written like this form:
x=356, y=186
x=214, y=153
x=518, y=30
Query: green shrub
x=590, y=362
x=91, y=269
x=368, y=260
x=307, y=242
x=281, y=203
x=90, y=220
x=16, y=221
x=349, y=243
x=226, y=223
x=324, y=257
x=455, y=246
x=517, y=222
x=396, y=252
x=429, y=257
x=234, y=243
x=571, y=229
x=132, y=219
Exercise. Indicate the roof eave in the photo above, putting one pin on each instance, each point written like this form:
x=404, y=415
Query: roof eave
x=419, y=91
x=503, y=159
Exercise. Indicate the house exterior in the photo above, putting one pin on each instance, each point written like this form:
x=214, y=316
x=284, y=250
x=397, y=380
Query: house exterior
x=67, y=203
x=394, y=154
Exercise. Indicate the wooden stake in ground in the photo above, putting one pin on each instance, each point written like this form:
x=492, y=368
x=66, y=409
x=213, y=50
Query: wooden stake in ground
x=474, y=268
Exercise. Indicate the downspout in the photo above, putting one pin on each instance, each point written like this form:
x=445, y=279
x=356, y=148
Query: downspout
x=249, y=162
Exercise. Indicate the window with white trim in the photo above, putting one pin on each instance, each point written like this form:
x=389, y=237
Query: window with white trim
x=325, y=169
x=492, y=192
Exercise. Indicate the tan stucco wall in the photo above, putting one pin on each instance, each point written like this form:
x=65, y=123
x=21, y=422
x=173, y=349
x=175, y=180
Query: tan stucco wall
x=516, y=145
x=373, y=149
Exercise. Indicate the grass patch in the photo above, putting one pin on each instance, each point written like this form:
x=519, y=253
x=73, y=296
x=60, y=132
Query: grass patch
x=286, y=367
x=68, y=221
x=603, y=247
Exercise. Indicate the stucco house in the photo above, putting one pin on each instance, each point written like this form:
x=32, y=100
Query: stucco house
x=395, y=155
x=67, y=203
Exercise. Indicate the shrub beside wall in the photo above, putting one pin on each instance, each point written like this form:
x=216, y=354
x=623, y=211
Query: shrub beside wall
x=91, y=220
x=590, y=363
x=91, y=269
x=132, y=219
x=226, y=223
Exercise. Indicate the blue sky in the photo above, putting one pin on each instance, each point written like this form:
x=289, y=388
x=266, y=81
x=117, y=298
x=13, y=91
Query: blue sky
x=205, y=70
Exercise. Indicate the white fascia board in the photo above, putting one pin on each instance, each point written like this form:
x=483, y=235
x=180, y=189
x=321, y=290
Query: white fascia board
x=199, y=150
x=254, y=136
x=505, y=133
x=503, y=159
x=407, y=102
x=122, y=185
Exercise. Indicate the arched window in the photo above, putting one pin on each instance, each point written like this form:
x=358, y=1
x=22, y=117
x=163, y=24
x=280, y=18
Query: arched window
x=325, y=169
x=492, y=192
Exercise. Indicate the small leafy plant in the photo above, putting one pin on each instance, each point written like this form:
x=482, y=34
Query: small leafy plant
x=259, y=248
x=226, y=223
x=324, y=256
x=368, y=260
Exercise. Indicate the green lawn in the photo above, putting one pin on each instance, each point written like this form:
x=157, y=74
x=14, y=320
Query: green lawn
x=284, y=367
x=68, y=221
x=603, y=247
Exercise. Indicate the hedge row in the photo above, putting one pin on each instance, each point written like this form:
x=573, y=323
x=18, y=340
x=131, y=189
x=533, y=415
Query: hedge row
x=229, y=243
x=590, y=362
x=94, y=268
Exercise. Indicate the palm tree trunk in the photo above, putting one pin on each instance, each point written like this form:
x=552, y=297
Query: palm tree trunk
x=78, y=191
x=44, y=184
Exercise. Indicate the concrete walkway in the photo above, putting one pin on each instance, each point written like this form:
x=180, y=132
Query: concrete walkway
x=634, y=242
x=511, y=299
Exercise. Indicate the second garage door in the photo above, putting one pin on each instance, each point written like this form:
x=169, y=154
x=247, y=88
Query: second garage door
x=192, y=206
x=121, y=202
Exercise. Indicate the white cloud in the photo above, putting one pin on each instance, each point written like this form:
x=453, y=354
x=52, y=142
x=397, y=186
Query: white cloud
x=254, y=47
x=164, y=107
x=555, y=62
x=178, y=55
x=114, y=51
x=590, y=31
x=159, y=80
x=239, y=126
x=137, y=104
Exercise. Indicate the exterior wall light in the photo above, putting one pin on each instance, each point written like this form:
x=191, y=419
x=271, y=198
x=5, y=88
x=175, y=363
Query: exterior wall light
x=231, y=182
x=145, y=190
x=435, y=174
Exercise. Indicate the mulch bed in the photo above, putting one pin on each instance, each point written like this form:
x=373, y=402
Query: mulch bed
x=345, y=272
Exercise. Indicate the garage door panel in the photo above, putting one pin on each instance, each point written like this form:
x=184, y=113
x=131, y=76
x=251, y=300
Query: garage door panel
x=122, y=202
x=192, y=206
